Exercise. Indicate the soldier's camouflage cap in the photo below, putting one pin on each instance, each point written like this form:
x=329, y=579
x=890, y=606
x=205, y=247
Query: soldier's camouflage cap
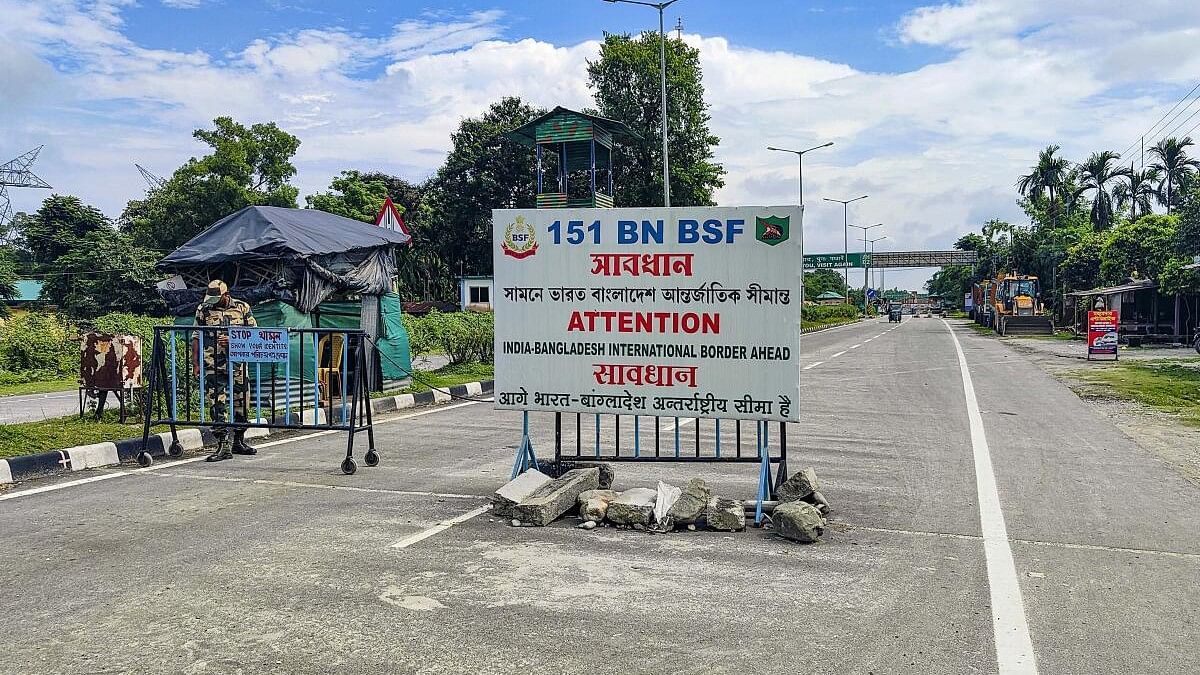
x=216, y=288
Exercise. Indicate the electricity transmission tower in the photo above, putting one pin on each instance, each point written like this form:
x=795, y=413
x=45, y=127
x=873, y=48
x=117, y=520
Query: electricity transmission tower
x=153, y=180
x=16, y=173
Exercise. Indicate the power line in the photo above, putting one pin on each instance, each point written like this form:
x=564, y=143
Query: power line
x=1185, y=121
x=1150, y=131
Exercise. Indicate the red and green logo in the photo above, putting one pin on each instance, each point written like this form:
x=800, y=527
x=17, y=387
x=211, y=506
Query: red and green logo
x=773, y=230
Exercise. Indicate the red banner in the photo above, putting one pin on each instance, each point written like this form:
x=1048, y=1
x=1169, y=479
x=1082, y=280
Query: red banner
x=1102, y=331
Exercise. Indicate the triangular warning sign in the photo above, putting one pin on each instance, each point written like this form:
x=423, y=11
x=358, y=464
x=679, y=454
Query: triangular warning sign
x=390, y=218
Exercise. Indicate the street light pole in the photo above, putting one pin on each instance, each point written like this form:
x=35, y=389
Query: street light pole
x=662, y=62
x=865, y=266
x=800, y=156
x=846, y=236
x=864, y=228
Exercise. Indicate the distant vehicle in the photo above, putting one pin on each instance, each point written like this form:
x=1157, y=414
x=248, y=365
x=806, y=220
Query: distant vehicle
x=1106, y=341
x=896, y=314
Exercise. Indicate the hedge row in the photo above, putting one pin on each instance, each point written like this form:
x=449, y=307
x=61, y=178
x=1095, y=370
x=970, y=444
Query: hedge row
x=461, y=336
x=40, y=346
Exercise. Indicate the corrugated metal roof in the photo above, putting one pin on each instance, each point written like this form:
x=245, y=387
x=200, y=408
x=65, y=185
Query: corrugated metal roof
x=830, y=295
x=527, y=133
x=1143, y=285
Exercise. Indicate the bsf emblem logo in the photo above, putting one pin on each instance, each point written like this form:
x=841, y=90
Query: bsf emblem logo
x=520, y=240
x=772, y=230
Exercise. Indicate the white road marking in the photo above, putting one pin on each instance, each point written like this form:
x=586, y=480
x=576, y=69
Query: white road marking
x=837, y=354
x=440, y=527
x=868, y=340
x=320, y=486
x=812, y=365
x=130, y=472
x=851, y=347
x=1014, y=648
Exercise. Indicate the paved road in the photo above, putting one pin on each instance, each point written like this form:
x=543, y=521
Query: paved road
x=963, y=535
x=33, y=407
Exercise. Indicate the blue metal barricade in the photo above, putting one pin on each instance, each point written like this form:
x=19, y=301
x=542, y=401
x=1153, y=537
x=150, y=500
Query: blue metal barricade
x=706, y=446
x=248, y=376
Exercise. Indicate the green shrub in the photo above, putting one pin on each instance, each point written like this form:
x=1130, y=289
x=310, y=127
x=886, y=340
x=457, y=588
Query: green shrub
x=420, y=338
x=462, y=336
x=828, y=313
x=39, y=346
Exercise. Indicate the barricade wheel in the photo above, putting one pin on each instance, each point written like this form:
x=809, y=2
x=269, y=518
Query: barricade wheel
x=349, y=466
x=372, y=457
x=144, y=459
x=176, y=449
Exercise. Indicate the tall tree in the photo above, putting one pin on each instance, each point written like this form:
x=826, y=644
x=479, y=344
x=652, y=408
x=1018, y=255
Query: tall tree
x=1137, y=192
x=626, y=80
x=1098, y=175
x=1139, y=249
x=88, y=267
x=247, y=166
x=351, y=195
x=58, y=228
x=1174, y=166
x=1046, y=180
x=8, y=279
x=483, y=171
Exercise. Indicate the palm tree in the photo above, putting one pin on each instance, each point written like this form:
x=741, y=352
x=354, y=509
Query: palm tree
x=1141, y=188
x=1048, y=175
x=1095, y=175
x=1174, y=165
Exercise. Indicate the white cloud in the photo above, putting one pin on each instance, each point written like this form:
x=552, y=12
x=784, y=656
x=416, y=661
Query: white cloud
x=938, y=148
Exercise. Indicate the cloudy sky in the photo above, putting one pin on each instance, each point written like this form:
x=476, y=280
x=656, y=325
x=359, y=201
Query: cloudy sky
x=934, y=109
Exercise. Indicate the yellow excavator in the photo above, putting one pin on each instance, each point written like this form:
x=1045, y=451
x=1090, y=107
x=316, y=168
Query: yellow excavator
x=1017, y=308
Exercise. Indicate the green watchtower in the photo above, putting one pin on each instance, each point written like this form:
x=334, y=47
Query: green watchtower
x=573, y=142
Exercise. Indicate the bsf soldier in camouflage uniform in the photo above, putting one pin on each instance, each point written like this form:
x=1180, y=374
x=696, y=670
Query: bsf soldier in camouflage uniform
x=218, y=308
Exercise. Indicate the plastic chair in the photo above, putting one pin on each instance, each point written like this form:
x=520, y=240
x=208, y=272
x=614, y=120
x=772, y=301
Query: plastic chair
x=326, y=374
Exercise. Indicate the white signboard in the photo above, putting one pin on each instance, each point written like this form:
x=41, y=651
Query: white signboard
x=258, y=345
x=688, y=312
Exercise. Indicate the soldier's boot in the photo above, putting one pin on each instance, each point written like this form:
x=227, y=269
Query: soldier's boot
x=222, y=452
x=240, y=447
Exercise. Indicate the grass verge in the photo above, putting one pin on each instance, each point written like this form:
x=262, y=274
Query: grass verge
x=1169, y=386
x=38, y=387
x=446, y=376
x=30, y=438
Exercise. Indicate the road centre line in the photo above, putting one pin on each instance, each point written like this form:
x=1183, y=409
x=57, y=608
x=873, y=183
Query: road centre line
x=838, y=354
x=1014, y=648
x=856, y=346
x=440, y=527
x=131, y=472
x=812, y=365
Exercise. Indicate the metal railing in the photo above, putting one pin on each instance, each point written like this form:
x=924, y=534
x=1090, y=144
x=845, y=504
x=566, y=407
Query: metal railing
x=179, y=379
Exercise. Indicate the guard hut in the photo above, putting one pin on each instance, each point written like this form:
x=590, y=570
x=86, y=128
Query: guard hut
x=573, y=144
x=301, y=268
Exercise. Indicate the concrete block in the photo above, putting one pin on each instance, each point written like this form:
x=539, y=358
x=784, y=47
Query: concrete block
x=593, y=504
x=516, y=490
x=405, y=401
x=692, y=503
x=798, y=521
x=5, y=472
x=474, y=389
x=726, y=514
x=556, y=497
x=440, y=396
x=633, y=507
x=802, y=484
x=92, y=456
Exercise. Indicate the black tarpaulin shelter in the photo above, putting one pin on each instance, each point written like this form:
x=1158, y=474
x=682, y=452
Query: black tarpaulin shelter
x=302, y=258
x=299, y=256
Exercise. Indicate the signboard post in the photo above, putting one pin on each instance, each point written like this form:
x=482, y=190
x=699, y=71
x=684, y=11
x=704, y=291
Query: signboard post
x=691, y=312
x=1102, y=332
x=667, y=312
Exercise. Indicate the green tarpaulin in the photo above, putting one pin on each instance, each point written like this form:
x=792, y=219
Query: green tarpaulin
x=394, y=357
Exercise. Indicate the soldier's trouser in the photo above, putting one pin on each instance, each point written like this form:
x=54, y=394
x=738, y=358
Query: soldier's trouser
x=216, y=383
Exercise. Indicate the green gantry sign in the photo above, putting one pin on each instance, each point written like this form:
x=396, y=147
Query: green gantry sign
x=820, y=261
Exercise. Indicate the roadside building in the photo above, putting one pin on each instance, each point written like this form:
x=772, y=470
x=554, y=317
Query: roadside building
x=1146, y=314
x=28, y=298
x=830, y=298
x=475, y=292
